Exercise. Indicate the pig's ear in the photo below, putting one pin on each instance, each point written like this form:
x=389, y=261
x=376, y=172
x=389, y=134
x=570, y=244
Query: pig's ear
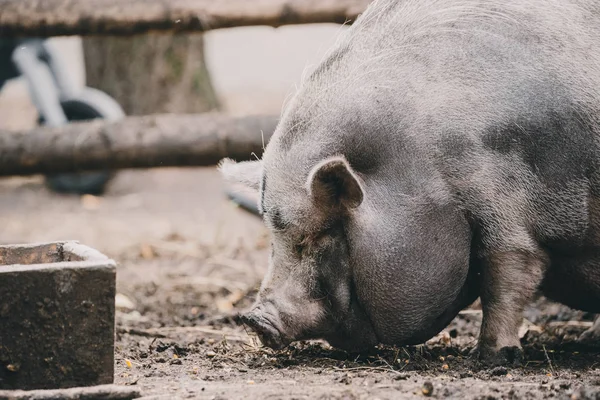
x=332, y=183
x=247, y=173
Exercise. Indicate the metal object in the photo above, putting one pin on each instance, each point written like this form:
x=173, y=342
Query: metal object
x=58, y=100
x=37, y=64
x=245, y=202
x=57, y=313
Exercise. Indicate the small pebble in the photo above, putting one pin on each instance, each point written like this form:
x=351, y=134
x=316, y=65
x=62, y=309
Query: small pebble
x=427, y=389
x=565, y=385
x=346, y=379
x=13, y=367
x=210, y=354
x=124, y=303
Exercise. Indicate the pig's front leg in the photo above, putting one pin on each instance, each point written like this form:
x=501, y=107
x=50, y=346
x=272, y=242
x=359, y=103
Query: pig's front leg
x=509, y=282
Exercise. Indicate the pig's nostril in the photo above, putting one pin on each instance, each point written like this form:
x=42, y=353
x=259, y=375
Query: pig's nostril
x=247, y=319
x=267, y=332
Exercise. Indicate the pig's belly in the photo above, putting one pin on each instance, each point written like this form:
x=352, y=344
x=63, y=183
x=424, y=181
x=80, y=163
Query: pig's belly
x=574, y=280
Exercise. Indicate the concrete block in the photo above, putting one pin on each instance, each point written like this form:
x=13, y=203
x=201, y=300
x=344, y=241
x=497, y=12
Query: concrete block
x=57, y=313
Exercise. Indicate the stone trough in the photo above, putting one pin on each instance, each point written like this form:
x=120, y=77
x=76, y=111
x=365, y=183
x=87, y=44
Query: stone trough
x=57, y=312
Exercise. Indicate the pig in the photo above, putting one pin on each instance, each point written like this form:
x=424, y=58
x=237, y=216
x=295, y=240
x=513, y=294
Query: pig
x=443, y=150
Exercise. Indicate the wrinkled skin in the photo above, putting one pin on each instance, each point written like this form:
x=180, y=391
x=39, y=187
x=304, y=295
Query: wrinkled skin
x=444, y=150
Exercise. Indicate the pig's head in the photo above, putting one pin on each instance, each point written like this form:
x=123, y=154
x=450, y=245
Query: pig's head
x=308, y=290
x=347, y=264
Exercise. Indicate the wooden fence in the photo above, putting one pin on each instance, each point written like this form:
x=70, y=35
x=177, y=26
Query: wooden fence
x=155, y=140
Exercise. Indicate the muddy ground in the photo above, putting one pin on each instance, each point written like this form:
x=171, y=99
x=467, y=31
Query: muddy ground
x=189, y=260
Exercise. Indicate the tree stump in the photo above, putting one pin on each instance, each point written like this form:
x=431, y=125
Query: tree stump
x=153, y=73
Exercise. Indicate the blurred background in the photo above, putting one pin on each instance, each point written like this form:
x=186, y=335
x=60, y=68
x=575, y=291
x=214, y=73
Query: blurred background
x=252, y=69
x=244, y=71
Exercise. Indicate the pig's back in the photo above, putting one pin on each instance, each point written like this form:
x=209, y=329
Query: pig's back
x=500, y=100
x=504, y=97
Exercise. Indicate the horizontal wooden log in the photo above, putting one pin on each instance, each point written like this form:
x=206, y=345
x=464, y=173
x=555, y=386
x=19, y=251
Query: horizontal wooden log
x=135, y=142
x=103, y=392
x=43, y=18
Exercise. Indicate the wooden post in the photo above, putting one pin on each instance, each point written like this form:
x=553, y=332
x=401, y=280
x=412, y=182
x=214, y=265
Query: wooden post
x=154, y=73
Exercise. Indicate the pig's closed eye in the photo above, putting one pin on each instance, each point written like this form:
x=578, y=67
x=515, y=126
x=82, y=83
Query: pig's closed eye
x=277, y=221
x=300, y=245
x=321, y=289
x=299, y=248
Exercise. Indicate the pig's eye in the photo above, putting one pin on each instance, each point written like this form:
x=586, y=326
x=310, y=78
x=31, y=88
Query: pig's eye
x=300, y=245
x=277, y=221
x=299, y=248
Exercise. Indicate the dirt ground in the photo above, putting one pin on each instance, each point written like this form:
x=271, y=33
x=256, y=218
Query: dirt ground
x=188, y=260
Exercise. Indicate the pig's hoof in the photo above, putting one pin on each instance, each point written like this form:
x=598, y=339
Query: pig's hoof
x=512, y=356
x=507, y=356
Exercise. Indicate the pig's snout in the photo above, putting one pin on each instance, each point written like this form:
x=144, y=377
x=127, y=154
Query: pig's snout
x=267, y=327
